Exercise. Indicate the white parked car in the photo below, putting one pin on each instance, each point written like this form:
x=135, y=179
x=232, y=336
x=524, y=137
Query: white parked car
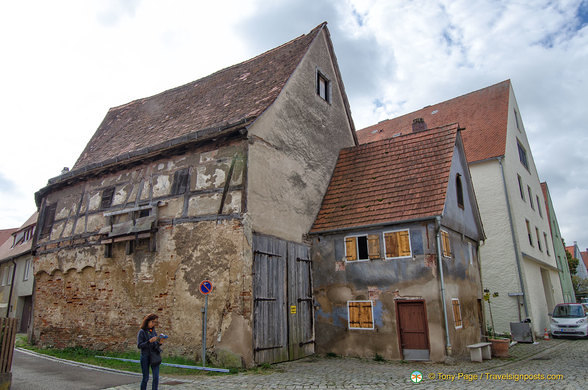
x=569, y=319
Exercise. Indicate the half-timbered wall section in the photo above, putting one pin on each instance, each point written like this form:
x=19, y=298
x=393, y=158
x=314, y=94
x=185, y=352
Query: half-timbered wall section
x=140, y=240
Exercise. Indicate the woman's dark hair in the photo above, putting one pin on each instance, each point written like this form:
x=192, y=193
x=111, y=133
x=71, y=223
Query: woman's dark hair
x=146, y=320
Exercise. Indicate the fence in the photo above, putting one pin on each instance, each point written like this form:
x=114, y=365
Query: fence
x=7, y=337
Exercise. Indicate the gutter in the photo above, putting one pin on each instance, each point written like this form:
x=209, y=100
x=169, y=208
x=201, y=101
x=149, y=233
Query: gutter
x=375, y=225
x=443, y=305
x=514, y=239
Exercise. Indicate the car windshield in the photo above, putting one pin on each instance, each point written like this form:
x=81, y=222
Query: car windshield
x=569, y=311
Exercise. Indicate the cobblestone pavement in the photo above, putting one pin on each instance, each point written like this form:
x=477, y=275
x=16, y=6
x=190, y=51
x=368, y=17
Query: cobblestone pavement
x=557, y=364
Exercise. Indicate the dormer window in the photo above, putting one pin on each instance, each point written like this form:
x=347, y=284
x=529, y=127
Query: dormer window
x=323, y=86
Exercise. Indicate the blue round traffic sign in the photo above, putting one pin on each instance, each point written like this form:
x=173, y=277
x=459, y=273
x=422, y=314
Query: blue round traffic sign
x=206, y=287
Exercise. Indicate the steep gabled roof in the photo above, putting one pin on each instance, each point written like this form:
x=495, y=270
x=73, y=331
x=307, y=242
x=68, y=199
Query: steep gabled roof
x=482, y=113
x=7, y=251
x=391, y=180
x=584, y=258
x=237, y=94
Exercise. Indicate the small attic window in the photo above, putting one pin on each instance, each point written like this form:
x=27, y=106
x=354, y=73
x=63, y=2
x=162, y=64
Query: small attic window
x=459, y=190
x=323, y=86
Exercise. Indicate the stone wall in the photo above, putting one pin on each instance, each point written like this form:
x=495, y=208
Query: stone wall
x=87, y=297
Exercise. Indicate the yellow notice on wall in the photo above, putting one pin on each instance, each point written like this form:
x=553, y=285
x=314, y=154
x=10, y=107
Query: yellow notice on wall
x=292, y=309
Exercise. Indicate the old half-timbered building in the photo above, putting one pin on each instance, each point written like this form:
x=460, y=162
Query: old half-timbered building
x=395, y=250
x=219, y=179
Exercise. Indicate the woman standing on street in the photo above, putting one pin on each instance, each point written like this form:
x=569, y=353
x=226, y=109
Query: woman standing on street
x=147, y=341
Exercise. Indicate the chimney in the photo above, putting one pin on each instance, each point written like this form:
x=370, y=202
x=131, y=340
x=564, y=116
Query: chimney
x=418, y=124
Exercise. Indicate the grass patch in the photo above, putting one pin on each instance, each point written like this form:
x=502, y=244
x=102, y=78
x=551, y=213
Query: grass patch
x=84, y=355
x=379, y=358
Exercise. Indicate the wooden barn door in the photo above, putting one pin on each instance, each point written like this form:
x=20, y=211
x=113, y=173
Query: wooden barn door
x=282, y=292
x=413, y=330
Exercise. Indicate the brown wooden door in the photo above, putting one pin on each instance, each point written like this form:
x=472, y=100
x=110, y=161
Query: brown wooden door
x=413, y=330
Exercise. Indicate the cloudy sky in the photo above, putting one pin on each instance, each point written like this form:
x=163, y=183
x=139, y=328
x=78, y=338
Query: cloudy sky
x=64, y=63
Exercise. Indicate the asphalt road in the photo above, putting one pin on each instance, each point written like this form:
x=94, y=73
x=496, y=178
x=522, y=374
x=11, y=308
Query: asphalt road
x=31, y=372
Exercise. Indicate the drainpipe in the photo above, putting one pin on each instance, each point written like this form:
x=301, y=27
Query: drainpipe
x=443, y=305
x=11, y=287
x=514, y=240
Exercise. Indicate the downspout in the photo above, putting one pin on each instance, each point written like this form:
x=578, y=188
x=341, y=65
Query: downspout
x=11, y=288
x=514, y=239
x=443, y=305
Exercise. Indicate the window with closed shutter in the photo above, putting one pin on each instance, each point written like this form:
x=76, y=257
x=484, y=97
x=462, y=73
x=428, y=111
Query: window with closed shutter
x=373, y=246
x=360, y=314
x=181, y=182
x=445, y=244
x=47, y=220
x=397, y=244
x=107, y=196
x=456, y=313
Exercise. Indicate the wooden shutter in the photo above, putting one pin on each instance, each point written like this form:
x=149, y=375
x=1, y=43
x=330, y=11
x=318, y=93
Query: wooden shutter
x=360, y=315
x=107, y=196
x=456, y=313
x=374, y=246
x=391, y=241
x=180, y=184
x=404, y=243
x=446, y=244
x=350, y=248
x=48, y=218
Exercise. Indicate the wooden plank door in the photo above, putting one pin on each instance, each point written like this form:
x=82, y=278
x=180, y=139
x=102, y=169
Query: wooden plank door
x=413, y=330
x=27, y=310
x=300, y=302
x=270, y=336
x=283, y=307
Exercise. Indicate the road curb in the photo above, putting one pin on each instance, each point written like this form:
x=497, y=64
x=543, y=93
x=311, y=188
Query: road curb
x=94, y=367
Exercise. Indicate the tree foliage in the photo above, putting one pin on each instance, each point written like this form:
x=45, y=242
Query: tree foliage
x=572, y=263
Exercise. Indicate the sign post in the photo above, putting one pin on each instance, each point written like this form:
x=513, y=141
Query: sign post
x=205, y=289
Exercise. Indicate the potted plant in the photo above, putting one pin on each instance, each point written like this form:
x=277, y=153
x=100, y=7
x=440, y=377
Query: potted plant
x=499, y=345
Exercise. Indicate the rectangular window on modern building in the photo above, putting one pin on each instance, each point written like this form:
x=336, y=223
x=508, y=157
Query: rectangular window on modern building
x=546, y=243
x=539, y=207
x=529, y=232
x=538, y=239
x=360, y=314
x=397, y=244
x=521, y=187
x=523, y=155
x=27, y=270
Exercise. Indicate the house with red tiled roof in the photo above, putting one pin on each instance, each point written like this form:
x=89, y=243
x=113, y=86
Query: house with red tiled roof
x=220, y=180
x=16, y=274
x=397, y=234
x=559, y=251
x=518, y=261
x=582, y=268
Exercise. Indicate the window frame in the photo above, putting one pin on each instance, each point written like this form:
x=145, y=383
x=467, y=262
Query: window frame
x=530, y=197
x=539, y=206
x=27, y=270
x=523, y=157
x=529, y=232
x=399, y=251
x=327, y=82
x=371, y=255
x=371, y=305
x=181, y=182
x=521, y=187
x=546, y=244
x=538, y=239
x=457, y=322
x=48, y=219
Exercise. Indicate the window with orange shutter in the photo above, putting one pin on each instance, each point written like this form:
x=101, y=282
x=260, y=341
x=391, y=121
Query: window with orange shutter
x=360, y=314
x=362, y=248
x=397, y=244
x=456, y=313
x=445, y=244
